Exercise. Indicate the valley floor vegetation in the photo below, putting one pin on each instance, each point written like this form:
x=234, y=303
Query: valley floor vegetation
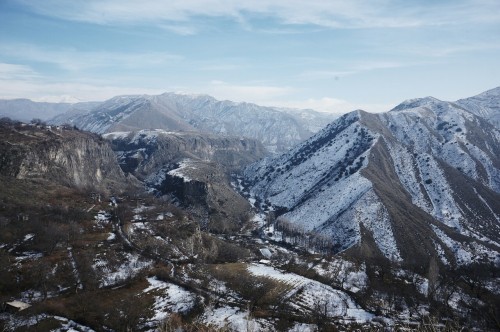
x=85, y=261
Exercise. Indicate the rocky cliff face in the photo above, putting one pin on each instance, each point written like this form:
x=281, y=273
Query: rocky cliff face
x=144, y=152
x=421, y=180
x=194, y=169
x=63, y=156
x=204, y=189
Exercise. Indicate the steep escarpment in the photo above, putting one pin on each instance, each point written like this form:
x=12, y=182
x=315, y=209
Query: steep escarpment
x=144, y=152
x=416, y=182
x=60, y=155
x=204, y=189
x=193, y=169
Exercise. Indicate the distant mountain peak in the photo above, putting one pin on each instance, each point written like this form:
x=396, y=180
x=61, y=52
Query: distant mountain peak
x=417, y=102
x=495, y=92
x=277, y=129
x=58, y=99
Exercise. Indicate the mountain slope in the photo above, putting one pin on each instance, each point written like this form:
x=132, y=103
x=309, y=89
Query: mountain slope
x=422, y=180
x=486, y=105
x=26, y=110
x=277, y=129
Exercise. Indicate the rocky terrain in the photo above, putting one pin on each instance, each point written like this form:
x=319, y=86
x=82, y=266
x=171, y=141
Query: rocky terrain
x=62, y=155
x=192, y=168
x=378, y=222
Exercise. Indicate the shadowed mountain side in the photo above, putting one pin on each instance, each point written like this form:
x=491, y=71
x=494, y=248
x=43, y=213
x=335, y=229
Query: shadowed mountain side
x=192, y=168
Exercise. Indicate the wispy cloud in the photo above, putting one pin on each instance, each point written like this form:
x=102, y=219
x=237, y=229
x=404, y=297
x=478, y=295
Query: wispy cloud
x=256, y=93
x=40, y=89
x=76, y=60
x=184, y=30
x=221, y=67
x=334, y=105
x=353, y=68
x=451, y=49
x=17, y=72
x=331, y=14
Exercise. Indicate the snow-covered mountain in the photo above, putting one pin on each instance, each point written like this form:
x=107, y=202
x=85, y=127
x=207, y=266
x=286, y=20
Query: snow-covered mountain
x=278, y=129
x=421, y=180
x=486, y=105
x=26, y=110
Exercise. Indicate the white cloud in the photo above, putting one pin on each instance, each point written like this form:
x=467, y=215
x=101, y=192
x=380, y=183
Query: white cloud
x=334, y=105
x=15, y=71
x=38, y=89
x=184, y=30
x=221, y=67
x=352, y=69
x=331, y=14
x=259, y=94
x=447, y=50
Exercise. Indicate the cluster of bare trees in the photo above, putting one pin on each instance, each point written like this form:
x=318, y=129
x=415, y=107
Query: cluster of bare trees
x=296, y=235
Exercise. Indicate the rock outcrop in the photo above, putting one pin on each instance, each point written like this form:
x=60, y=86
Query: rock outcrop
x=193, y=169
x=61, y=155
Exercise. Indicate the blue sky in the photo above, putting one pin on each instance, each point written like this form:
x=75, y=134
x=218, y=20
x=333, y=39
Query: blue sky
x=328, y=55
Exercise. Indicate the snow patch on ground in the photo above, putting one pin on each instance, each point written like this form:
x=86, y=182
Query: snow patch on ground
x=462, y=256
x=370, y=212
x=28, y=255
x=180, y=171
x=131, y=265
x=102, y=217
x=349, y=276
x=169, y=298
x=302, y=327
x=234, y=319
x=28, y=237
x=307, y=293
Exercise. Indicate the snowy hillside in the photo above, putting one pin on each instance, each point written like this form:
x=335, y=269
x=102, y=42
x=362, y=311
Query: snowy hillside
x=486, y=105
x=278, y=129
x=423, y=178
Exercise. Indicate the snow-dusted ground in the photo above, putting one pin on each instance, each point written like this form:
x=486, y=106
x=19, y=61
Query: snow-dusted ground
x=102, y=217
x=76, y=274
x=346, y=274
x=234, y=319
x=180, y=171
x=169, y=298
x=15, y=322
x=307, y=295
x=130, y=265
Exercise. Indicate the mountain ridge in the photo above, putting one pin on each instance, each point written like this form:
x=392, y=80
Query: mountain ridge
x=278, y=129
x=390, y=173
